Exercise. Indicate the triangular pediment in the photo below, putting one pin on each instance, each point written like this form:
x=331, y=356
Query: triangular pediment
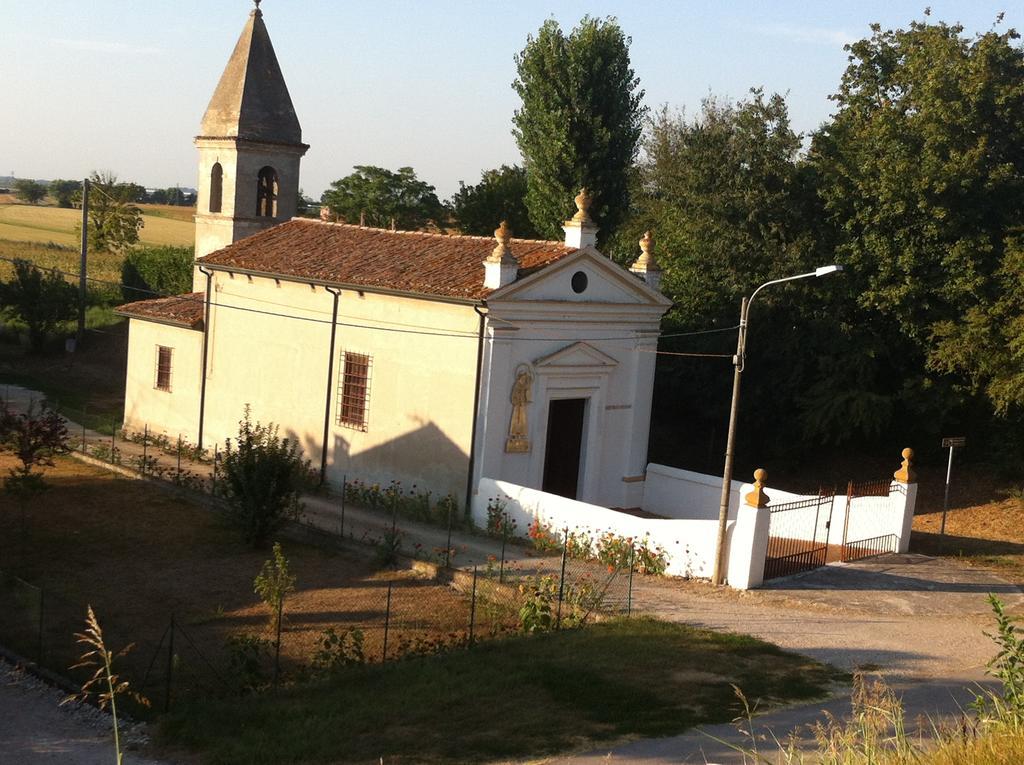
x=576, y=355
x=604, y=280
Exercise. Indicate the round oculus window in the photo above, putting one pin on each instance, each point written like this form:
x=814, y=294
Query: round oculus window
x=579, y=282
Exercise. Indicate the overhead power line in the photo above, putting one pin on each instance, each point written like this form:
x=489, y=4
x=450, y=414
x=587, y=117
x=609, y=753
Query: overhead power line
x=406, y=329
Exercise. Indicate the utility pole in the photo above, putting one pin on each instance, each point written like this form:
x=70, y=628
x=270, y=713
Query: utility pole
x=82, y=281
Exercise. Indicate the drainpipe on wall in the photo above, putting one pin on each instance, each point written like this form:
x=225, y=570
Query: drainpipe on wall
x=206, y=344
x=330, y=382
x=476, y=403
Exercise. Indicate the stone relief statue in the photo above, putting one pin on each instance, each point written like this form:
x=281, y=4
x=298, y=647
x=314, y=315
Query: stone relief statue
x=522, y=394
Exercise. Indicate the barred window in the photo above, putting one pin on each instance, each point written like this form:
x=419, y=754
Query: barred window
x=354, y=390
x=163, y=368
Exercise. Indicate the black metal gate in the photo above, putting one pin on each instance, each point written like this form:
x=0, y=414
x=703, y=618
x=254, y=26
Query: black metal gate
x=858, y=542
x=798, y=535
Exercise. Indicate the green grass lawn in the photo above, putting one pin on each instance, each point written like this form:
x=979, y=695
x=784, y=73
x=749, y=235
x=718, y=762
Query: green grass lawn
x=521, y=697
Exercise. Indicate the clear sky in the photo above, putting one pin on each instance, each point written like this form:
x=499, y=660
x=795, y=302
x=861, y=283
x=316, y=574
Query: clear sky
x=99, y=84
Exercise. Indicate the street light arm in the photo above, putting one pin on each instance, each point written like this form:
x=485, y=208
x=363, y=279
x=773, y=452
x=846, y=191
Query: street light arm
x=778, y=281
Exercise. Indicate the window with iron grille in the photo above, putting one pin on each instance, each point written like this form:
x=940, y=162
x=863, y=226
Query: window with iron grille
x=163, y=368
x=354, y=390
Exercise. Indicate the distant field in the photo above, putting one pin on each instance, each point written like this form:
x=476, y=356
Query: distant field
x=163, y=224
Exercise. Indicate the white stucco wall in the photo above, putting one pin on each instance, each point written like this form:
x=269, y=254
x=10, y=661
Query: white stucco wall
x=677, y=493
x=537, y=323
x=689, y=545
x=174, y=412
x=421, y=385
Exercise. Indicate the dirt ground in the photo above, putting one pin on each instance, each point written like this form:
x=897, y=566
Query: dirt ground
x=140, y=556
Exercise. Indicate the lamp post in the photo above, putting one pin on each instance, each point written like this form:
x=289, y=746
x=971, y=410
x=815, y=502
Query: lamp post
x=737, y=360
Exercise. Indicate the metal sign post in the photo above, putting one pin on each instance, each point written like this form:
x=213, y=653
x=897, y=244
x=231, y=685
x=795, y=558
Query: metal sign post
x=951, y=444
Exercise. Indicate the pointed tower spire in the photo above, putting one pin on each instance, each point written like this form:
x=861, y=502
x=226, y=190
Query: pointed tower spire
x=252, y=100
x=250, y=146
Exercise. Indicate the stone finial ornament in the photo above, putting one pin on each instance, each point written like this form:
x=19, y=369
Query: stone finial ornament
x=757, y=498
x=906, y=473
x=583, y=201
x=646, y=261
x=502, y=253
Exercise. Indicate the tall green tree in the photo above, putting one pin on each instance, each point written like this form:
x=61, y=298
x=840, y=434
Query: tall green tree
x=29, y=191
x=114, y=218
x=580, y=122
x=922, y=175
x=41, y=299
x=63, y=191
x=499, y=196
x=381, y=198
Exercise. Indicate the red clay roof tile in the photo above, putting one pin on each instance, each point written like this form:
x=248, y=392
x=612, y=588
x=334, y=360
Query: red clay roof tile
x=407, y=261
x=183, y=310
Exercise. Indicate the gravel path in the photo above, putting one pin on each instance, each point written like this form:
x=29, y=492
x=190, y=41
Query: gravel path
x=35, y=729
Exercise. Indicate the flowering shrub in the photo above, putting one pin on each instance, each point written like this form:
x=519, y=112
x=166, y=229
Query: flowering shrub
x=614, y=551
x=543, y=538
x=611, y=549
x=499, y=522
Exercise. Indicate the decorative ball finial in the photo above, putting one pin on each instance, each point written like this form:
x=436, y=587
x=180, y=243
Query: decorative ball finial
x=646, y=263
x=646, y=243
x=583, y=200
x=502, y=253
x=256, y=11
x=502, y=234
x=906, y=473
x=757, y=498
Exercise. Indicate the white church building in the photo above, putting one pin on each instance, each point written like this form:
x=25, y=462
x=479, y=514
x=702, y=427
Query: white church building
x=427, y=358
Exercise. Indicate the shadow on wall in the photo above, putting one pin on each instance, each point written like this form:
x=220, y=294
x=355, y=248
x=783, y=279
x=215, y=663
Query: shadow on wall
x=426, y=457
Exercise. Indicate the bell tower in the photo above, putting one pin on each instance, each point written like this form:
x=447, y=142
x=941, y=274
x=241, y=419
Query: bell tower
x=250, y=145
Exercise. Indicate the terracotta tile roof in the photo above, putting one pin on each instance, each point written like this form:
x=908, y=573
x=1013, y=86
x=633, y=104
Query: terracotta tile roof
x=407, y=261
x=182, y=310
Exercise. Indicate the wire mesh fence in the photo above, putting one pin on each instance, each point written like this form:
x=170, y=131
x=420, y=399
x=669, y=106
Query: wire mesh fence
x=397, y=617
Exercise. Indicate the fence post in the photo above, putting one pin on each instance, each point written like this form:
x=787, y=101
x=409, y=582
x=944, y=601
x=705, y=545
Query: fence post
x=170, y=667
x=113, y=439
x=39, y=646
x=145, y=444
x=504, y=538
x=629, y=591
x=344, y=491
x=277, y=644
x=394, y=513
x=85, y=410
x=472, y=609
x=178, y=479
x=387, y=626
x=561, y=578
x=213, y=475
x=448, y=544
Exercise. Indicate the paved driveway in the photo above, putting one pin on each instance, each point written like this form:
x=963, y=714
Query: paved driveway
x=917, y=621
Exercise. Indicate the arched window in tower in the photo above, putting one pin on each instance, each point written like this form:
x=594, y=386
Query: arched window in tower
x=216, y=187
x=266, y=193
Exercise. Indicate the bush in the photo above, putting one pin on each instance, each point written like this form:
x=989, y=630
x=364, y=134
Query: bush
x=41, y=299
x=154, y=271
x=262, y=476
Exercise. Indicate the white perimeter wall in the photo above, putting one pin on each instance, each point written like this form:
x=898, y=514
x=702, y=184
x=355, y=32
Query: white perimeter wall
x=688, y=543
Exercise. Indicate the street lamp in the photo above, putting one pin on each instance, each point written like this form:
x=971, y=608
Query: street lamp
x=737, y=360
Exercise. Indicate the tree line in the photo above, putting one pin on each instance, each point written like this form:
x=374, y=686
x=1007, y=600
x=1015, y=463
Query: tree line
x=65, y=193
x=915, y=185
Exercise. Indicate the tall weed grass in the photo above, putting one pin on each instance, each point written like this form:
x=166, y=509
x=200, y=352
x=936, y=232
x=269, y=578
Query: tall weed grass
x=989, y=732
